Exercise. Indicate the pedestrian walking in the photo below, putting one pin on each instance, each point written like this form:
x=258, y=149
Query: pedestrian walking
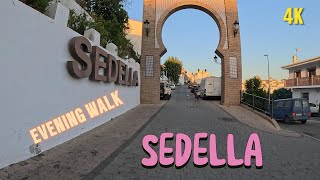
x=197, y=94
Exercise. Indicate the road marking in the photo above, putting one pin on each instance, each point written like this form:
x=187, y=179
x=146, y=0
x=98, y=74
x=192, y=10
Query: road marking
x=311, y=137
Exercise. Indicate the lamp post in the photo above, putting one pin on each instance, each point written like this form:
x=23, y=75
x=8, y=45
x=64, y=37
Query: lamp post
x=216, y=59
x=147, y=26
x=235, y=28
x=268, y=76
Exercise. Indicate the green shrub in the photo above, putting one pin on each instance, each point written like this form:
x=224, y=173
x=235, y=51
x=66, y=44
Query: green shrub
x=39, y=5
x=79, y=23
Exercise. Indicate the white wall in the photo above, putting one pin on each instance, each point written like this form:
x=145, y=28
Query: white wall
x=314, y=94
x=72, y=5
x=35, y=84
x=136, y=42
x=182, y=79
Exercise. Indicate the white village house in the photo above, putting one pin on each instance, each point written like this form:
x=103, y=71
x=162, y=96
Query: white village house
x=304, y=79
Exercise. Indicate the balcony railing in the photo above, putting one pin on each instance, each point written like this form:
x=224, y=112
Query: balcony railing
x=307, y=81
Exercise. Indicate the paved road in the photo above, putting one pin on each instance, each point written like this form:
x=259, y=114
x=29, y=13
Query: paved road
x=312, y=128
x=283, y=157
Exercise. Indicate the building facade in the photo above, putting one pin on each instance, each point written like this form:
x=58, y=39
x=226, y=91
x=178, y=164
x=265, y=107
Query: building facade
x=304, y=79
x=197, y=76
x=134, y=34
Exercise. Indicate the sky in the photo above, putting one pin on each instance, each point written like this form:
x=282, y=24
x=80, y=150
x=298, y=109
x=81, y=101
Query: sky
x=193, y=36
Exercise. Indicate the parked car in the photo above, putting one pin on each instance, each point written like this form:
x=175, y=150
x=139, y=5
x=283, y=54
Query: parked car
x=210, y=87
x=314, y=108
x=165, y=90
x=173, y=86
x=289, y=110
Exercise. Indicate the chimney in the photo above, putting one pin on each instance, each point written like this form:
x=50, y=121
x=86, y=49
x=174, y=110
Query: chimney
x=294, y=59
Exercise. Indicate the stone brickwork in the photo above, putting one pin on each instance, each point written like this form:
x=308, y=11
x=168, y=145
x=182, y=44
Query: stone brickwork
x=224, y=13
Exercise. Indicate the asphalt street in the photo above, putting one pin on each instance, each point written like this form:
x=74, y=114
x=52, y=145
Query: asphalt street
x=283, y=157
x=311, y=128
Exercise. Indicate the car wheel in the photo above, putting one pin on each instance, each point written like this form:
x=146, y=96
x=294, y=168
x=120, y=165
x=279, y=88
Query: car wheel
x=287, y=120
x=304, y=122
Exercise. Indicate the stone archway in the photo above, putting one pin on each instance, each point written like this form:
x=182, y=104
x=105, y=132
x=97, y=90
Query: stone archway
x=224, y=13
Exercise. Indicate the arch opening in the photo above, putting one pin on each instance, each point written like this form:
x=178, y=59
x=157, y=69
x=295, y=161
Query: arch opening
x=224, y=13
x=191, y=5
x=192, y=40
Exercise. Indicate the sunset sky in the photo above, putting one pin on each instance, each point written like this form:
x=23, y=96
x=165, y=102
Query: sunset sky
x=193, y=36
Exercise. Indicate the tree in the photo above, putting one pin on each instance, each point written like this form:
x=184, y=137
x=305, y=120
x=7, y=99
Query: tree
x=39, y=5
x=253, y=86
x=111, y=21
x=173, y=66
x=282, y=94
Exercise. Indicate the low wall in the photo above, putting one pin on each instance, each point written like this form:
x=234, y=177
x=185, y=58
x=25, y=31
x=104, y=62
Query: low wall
x=37, y=89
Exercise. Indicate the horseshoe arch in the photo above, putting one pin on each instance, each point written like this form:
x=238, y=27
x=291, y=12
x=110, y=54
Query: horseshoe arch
x=224, y=13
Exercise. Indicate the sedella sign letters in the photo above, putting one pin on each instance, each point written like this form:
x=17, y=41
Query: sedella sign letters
x=88, y=64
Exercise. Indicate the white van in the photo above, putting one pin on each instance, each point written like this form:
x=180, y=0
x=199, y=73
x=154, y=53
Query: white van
x=210, y=87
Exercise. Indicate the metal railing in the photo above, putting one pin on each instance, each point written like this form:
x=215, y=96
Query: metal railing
x=258, y=103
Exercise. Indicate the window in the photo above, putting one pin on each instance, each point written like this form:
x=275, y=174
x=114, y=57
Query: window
x=279, y=104
x=288, y=104
x=297, y=74
x=233, y=68
x=297, y=103
x=305, y=95
x=305, y=103
x=149, y=66
x=311, y=72
x=312, y=105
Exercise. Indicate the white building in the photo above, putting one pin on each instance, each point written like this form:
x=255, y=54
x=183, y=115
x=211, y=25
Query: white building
x=304, y=79
x=134, y=34
x=182, y=79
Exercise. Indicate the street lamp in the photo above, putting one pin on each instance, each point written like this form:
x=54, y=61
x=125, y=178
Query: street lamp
x=216, y=59
x=147, y=26
x=235, y=28
x=268, y=76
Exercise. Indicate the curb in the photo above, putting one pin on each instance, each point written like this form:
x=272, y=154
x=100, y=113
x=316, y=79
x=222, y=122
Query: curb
x=272, y=121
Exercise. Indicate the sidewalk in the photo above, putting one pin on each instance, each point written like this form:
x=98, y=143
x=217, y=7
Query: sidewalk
x=253, y=120
x=79, y=156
